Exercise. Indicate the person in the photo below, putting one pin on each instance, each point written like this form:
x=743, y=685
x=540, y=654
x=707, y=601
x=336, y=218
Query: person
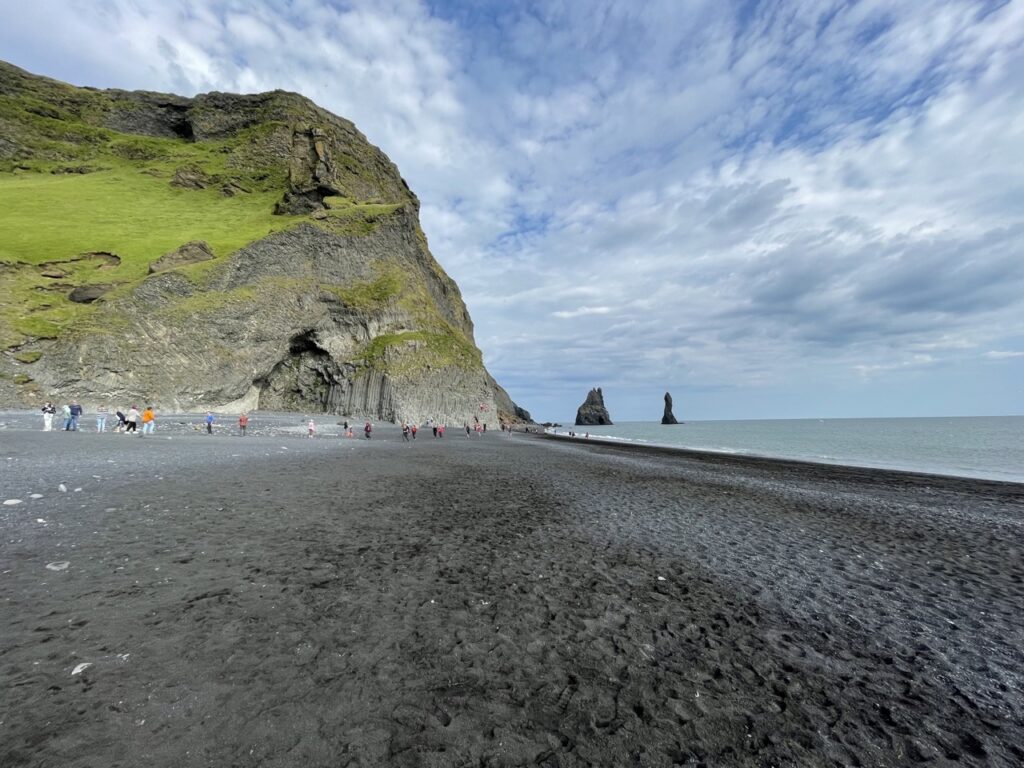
x=440, y=431
x=243, y=422
x=413, y=430
x=122, y=422
x=101, y=418
x=76, y=414
x=132, y=421
x=311, y=429
x=349, y=432
x=434, y=427
x=368, y=429
x=48, y=412
x=65, y=412
x=209, y=422
x=405, y=432
x=148, y=420
x=467, y=430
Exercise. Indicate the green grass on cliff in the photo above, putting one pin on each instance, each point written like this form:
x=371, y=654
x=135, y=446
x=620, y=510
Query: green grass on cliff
x=136, y=216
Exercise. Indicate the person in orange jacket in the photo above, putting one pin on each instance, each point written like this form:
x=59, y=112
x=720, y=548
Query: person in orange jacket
x=148, y=420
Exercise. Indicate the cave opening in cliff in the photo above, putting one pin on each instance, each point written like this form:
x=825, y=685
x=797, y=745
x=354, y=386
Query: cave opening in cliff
x=307, y=378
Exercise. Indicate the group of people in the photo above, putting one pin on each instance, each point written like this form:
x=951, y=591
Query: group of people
x=72, y=413
x=144, y=422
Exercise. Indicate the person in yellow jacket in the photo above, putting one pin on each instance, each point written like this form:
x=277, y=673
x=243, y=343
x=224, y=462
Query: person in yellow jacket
x=148, y=420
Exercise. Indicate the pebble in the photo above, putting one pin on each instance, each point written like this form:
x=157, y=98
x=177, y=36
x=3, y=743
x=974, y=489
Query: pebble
x=80, y=668
x=35, y=496
x=62, y=488
x=12, y=502
x=59, y=565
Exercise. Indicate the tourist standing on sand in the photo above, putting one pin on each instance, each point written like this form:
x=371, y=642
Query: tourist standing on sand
x=367, y=430
x=467, y=430
x=435, y=430
x=209, y=422
x=101, y=418
x=243, y=422
x=148, y=420
x=311, y=429
x=76, y=414
x=122, y=422
x=132, y=421
x=48, y=412
x=405, y=432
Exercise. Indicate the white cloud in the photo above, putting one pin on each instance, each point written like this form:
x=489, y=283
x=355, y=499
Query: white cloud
x=657, y=192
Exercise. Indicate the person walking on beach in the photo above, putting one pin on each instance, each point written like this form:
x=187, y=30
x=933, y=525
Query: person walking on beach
x=122, y=422
x=243, y=422
x=467, y=430
x=405, y=432
x=76, y=414
x=48, y=412
x=413, y=430
x=440, y=431
x=148, y=420
x=209, y=422
x=65, y=414
x=311, y=429
x=102, y=412
x=435, y=430
x=132, y=421
x=367, y=430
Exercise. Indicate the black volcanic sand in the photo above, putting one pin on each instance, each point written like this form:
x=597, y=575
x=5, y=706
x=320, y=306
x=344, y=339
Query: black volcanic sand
x=275, y=601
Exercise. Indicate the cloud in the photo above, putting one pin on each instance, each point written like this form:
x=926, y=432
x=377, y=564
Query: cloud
x=996, y=354
x=718, y=196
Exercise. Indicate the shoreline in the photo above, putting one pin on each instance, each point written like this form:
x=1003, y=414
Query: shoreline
x=755, y=460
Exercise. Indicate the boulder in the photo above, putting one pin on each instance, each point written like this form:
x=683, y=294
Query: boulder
x=87, y=294
x=593, y=411
x=191, y=252
x=190, y=178
x=668, y=417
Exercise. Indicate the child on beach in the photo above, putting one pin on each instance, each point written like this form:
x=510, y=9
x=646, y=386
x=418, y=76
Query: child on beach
x=311, y=429
x=101, y=418
x=148, y=420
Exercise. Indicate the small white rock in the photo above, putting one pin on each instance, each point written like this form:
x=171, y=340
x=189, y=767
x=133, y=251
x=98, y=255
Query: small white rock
x=59, y=565
x=12, y=502
x=62, y=488
x=80, y=668
x=78, y=490
x=40, y=520
x=35, y=495
x=661, y=578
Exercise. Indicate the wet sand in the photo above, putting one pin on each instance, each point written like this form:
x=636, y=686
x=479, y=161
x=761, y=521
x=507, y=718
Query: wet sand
x=276, y=601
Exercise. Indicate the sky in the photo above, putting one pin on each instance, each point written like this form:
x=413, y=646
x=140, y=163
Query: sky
x=787, y=209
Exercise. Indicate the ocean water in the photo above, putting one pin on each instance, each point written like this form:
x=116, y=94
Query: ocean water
x=989, y=447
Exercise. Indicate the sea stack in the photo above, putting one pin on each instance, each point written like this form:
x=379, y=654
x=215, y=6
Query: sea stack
x=593, y=411
x=668, y=417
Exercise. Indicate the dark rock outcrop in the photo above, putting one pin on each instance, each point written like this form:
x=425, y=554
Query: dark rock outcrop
x=593, y=411
x=191, y=252
x=87, y=294
x=668, y=417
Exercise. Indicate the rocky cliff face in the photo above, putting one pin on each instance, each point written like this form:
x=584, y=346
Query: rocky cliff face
x=593, y=411
x=263, y=255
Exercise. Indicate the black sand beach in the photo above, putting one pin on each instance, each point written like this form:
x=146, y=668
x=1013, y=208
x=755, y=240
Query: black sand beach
x=274, y=601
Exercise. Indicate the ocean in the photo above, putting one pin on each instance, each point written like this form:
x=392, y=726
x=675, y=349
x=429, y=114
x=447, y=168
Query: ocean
x=990, y=447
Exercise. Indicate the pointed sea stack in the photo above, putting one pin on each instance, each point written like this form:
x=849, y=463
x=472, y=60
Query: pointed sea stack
x=593, y=411
x=668, y=417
